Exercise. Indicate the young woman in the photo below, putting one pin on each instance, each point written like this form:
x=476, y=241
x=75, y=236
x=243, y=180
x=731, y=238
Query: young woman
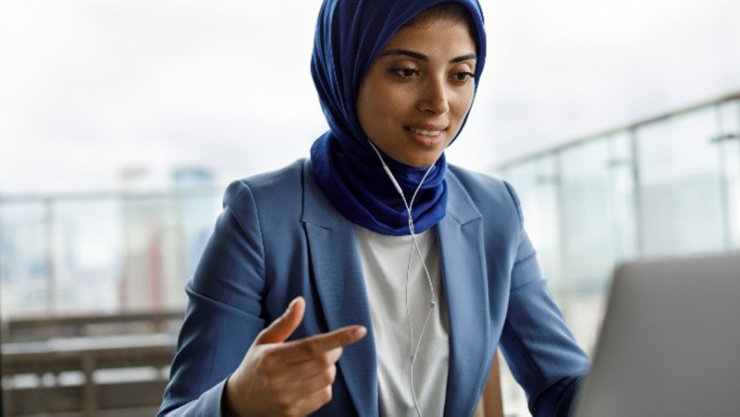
x=373, y=278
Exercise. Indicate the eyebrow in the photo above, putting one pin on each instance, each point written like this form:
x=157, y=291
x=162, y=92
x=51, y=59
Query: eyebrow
x=424, y=58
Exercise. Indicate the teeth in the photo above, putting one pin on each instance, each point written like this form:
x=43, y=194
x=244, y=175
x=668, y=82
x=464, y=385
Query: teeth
x=425, y=132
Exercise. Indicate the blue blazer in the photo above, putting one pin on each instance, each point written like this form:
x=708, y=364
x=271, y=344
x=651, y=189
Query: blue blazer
x=279, y=237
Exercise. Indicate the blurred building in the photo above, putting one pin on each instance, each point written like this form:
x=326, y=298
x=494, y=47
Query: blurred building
x=164, y=235
x=105, y=251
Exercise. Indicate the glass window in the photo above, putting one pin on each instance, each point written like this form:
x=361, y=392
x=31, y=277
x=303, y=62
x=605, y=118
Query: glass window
x=86, y=258
x=729, y=142
x=623, y=197
x=535, y=182
x=24, y=263
x=587, y=241
x=164, y=237
x=680, y=198
x=586, y=213
x=101, y=253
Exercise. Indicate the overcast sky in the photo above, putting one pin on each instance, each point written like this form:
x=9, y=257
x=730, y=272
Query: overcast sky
x=90, y=87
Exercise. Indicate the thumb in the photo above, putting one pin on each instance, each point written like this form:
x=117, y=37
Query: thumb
x=280, y=329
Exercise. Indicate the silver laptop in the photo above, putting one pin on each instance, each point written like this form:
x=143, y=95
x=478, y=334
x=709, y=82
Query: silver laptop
x=670, y=341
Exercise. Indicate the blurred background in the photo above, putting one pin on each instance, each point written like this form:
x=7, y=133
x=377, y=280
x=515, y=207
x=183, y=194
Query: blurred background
x=121, y=122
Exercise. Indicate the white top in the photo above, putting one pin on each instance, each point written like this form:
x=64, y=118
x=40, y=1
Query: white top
x=385, y=260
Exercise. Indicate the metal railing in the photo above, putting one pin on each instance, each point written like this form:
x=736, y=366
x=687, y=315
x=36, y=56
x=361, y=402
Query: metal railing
x=662, y=186
x=135, y=248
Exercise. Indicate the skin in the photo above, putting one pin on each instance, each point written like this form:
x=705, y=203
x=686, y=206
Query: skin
x=411, y=104
x=279, y=378
x=415, y=95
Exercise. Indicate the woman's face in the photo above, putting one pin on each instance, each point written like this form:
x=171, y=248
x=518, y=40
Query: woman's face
x=418, y=90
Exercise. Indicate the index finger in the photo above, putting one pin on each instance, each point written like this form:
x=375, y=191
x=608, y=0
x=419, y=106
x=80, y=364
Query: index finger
x=313, y=346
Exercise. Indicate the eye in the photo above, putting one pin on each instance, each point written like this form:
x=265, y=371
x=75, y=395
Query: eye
x=463, y=76
x=405, y=72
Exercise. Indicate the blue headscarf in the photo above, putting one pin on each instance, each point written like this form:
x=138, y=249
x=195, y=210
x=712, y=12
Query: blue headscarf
x=349, y=34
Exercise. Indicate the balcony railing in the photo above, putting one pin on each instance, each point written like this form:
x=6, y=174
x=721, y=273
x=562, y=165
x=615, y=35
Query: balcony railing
x=665, y=185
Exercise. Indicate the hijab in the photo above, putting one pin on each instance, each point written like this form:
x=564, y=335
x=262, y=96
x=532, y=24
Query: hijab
x=349, y=34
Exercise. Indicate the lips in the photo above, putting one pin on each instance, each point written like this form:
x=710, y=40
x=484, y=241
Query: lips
x=423, y=132
x=430, y=130
x=427, y=135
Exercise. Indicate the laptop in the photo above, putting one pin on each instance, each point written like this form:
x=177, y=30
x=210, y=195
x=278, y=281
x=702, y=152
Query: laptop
x=670, y=341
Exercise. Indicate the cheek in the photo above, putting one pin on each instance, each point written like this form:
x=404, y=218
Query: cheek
x=386, y=112
x=461, y=104
x=391, y=100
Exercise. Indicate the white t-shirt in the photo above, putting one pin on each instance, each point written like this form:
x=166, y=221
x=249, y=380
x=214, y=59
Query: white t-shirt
x=385, y=260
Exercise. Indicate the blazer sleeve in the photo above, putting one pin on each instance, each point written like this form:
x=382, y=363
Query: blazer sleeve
x=536, y=342
x=224, y=313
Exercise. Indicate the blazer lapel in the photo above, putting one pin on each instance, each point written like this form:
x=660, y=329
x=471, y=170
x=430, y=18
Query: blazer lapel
x=337, y=272
x=463, y=275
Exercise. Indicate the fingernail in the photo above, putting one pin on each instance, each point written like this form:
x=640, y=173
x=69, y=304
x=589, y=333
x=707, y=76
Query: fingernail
x=291, y=306
x=359, y=332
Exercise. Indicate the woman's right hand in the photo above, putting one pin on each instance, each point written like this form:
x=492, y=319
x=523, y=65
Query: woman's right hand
x=279, y=378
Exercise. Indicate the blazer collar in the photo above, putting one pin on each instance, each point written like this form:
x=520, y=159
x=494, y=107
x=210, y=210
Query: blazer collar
x=337, y=271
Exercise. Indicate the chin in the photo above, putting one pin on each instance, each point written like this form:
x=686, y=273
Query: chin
x=419, y=162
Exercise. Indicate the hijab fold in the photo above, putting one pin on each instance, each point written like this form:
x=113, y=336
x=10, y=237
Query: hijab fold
x=349, y=34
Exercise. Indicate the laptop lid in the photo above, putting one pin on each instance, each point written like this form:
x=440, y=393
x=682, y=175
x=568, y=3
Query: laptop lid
x=670, y=341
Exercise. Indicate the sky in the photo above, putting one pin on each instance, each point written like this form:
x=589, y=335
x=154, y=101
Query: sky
x=90, y=88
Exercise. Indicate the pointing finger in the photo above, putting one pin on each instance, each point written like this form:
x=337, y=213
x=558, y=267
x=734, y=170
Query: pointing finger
x=314, y=346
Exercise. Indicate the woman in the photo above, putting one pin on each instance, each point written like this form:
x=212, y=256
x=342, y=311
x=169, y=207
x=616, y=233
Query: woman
x=401, y=274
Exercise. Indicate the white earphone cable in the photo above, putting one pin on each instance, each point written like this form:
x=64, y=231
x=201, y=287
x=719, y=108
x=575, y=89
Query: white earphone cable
x=414, y=247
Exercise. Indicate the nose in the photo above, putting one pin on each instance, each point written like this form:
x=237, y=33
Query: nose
x=433, y=98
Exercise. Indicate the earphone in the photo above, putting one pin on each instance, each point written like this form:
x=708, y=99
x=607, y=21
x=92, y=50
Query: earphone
x=414, y=350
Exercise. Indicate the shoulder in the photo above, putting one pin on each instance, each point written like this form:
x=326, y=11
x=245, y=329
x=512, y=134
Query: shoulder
x=478, y=182
x=278, y=191
x=287, y=178
x=489, y=194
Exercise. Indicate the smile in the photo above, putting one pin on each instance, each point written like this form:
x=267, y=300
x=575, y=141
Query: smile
x=427, y=132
